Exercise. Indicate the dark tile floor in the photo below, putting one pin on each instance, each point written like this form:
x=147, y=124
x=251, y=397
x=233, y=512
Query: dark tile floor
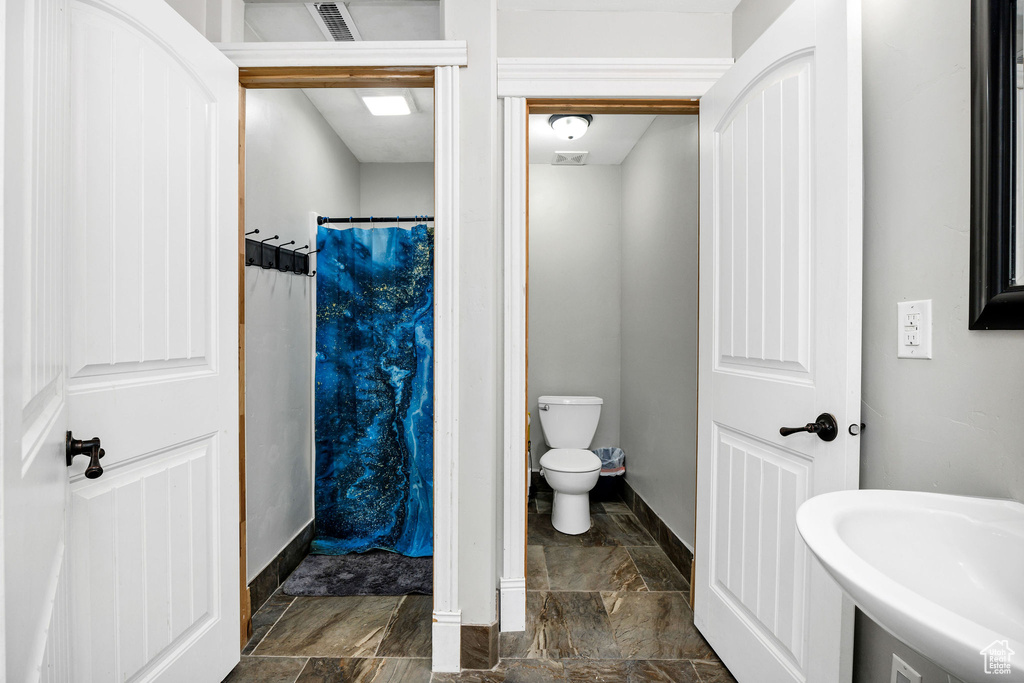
x=606, y=606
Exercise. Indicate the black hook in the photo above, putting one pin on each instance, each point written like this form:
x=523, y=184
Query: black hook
x=313, y=272
x=252, y=232
x=263, y=265
x=278, y=256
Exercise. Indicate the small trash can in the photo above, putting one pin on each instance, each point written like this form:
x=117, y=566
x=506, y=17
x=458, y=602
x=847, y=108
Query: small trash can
x=613, y=465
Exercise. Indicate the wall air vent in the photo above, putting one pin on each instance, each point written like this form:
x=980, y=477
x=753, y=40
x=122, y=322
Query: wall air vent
x=334, y=20
x=570, y=158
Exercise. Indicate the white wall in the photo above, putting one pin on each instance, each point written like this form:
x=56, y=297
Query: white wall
x=613, y=34
x=396, y=189
x=295, y=163
x=953, y=424
x=659, y=319
x=575, y=287
x=751, y=18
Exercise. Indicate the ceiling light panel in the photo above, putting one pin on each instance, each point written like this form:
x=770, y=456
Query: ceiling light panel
x=388, y=102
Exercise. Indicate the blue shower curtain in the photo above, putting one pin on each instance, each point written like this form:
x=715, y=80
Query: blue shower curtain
x=374, y=390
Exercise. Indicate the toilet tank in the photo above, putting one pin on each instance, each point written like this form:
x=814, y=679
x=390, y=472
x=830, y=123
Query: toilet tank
x=569, y=421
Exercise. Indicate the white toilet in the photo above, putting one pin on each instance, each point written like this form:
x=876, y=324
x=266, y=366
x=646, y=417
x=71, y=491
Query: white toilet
x=569, y=423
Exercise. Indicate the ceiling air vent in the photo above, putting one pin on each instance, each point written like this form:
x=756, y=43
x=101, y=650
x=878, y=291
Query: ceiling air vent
x=570, y=158
x=334, y=20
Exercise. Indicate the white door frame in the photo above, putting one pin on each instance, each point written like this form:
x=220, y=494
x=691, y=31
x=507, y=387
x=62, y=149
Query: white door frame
x=446, y=57
x=519, y=79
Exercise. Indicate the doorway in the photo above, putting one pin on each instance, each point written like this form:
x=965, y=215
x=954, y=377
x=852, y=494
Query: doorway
x=521, y=117
x=612, y=254
x=422, y=191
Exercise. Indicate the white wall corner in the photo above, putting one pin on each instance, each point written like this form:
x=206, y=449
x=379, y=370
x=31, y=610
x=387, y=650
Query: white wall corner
x=447, y=641
x=608, y=77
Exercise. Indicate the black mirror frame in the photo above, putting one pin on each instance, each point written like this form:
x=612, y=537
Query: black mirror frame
x=994, y=303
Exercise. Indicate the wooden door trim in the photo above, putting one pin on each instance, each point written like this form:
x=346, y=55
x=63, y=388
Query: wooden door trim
x=335, y=77
x=246, y=603
x=556, y=105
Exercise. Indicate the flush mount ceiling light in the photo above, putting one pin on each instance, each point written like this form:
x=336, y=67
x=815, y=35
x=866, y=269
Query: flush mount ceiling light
x=570, y=126
x=385, y=102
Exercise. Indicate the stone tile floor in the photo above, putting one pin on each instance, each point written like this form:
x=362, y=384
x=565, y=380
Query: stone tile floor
x=606, y=606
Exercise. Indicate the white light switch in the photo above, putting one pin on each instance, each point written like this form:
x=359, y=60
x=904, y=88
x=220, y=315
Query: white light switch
x=914, y=329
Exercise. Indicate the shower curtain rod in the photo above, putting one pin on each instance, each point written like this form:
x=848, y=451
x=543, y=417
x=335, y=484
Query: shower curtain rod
x=320, y=220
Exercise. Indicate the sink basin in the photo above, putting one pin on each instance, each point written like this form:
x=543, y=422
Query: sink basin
x=944, y=574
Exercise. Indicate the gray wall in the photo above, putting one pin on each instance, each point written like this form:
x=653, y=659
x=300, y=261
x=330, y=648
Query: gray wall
x=575, y=285
x=953, y=424
x=659, y=319
x=751, y=18
x=396, y=189
x=586, y=33
x=295, y=163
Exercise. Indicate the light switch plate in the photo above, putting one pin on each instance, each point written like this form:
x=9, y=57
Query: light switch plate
x=914, y=329
x=902, y=672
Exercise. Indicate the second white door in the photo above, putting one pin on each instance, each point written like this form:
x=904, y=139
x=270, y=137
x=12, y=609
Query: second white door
x=780, y=269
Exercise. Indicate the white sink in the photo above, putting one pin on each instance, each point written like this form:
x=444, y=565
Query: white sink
x=944, y=574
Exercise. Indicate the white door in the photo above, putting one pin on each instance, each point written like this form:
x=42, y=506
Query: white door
x=33, y=398
x=780, y=332
x=152, y=346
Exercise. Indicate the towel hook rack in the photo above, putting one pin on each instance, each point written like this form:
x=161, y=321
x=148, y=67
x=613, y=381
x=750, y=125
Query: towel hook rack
x=277, y=256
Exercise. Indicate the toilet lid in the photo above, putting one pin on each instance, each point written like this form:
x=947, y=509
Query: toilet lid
x=570, y=460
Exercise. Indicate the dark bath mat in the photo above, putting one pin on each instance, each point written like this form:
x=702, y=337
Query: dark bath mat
x=376, y=572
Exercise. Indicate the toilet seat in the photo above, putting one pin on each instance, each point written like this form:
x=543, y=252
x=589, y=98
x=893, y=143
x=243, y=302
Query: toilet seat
x=571, y=460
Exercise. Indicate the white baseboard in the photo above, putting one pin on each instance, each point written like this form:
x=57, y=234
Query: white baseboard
x=513, y=604
x=447, y=634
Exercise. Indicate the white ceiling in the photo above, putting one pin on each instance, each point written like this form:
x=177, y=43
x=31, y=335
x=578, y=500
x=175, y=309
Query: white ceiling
x=378, y=139
x=609, y=139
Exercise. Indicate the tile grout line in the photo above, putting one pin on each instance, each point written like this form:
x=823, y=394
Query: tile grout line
x=647, y=589
x=387, y=627
x=306, y=663
x=281, y=616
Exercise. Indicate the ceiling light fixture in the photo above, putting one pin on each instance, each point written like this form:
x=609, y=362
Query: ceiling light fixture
x=387, y=105
x=388, y=101
x=570, y=126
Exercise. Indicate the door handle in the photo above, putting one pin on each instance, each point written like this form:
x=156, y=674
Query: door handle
x=825, y=427
x=90, y=447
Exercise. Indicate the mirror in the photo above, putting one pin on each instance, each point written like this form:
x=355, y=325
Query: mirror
x=997, y=234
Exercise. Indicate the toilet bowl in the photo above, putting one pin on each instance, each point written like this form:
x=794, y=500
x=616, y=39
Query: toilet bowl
x=572, y=473
x=569, y=424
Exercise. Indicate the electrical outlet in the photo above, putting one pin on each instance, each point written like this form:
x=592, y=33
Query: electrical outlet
x=902, y=673
x=914, y=329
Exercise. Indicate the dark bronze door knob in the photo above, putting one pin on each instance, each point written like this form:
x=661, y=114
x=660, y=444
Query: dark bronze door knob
x=825, y=427
x=90, y=447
